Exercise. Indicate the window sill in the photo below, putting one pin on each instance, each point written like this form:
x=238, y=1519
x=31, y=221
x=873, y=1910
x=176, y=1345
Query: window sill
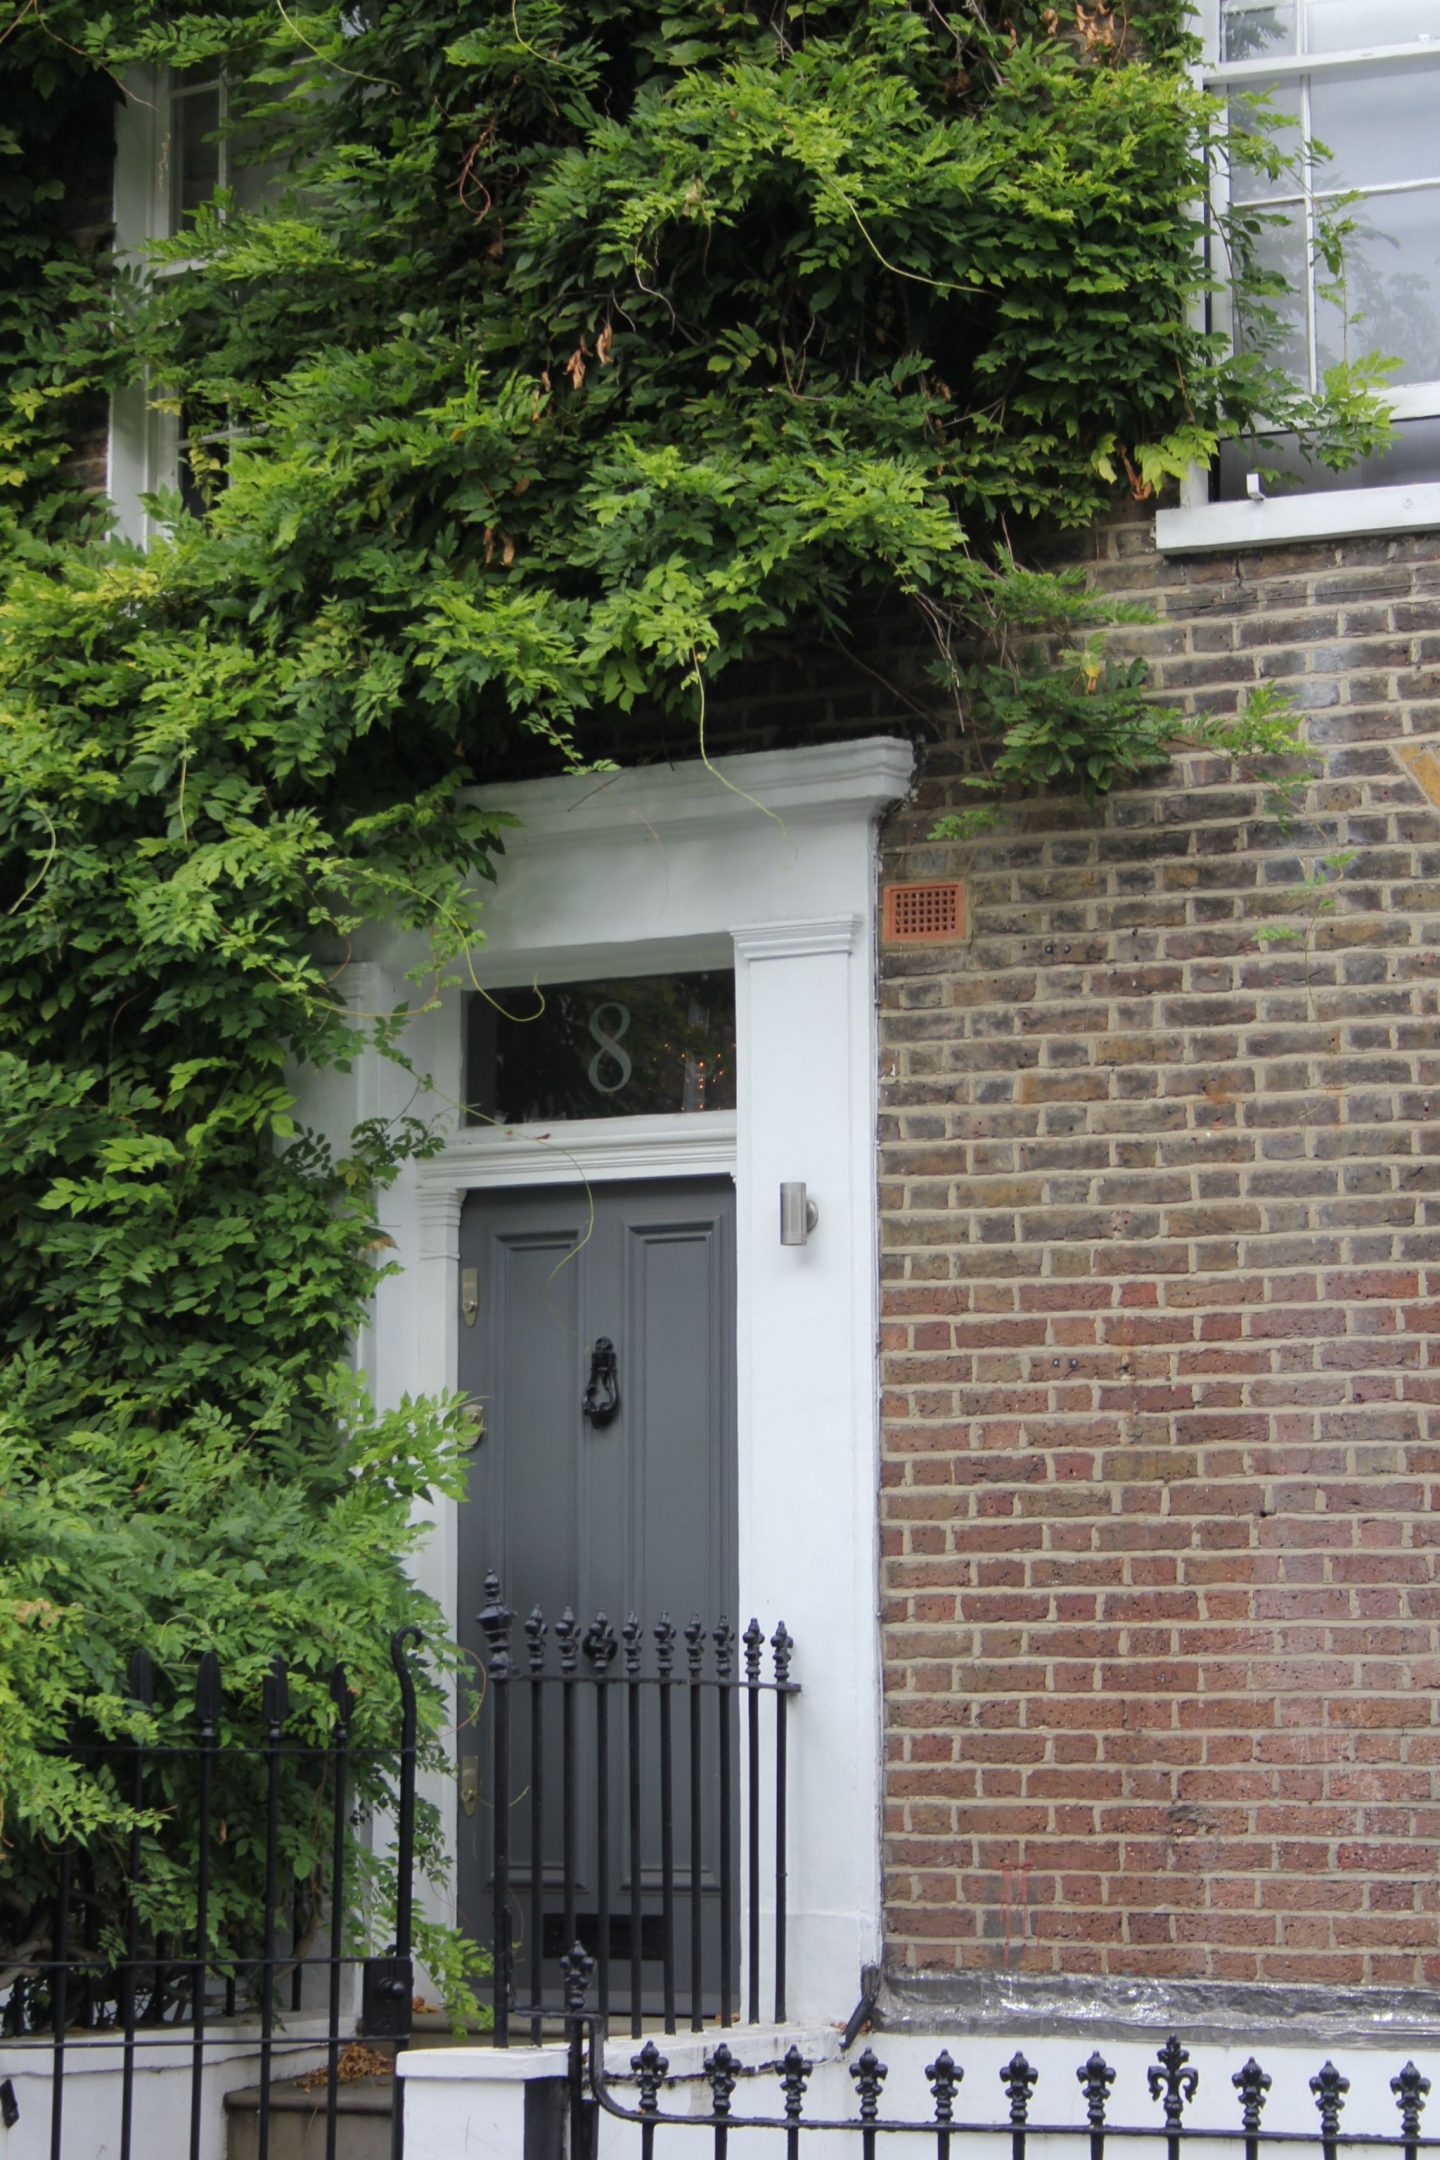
x=1207, y=528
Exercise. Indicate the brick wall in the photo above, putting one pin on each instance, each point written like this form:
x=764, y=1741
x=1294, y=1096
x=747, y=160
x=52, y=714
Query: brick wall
x=1161, y=1275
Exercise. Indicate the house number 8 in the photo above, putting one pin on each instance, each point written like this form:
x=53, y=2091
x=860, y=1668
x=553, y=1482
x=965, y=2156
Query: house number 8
x=609, y=1052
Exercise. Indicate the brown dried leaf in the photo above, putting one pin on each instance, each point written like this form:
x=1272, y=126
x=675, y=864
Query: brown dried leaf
x=575, y=368
x=507, y=552
x=603, y=344
x=489, y=538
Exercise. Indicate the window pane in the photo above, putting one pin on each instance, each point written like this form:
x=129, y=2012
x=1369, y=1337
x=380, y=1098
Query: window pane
x=1249, y=123
x=1379, y=127
x=195, y=154
x=1337, y=25
x=620, y=1048
x=1282, y=250
x=255, y=183
x=1413, y=458
x=1253, y=32
x=1393, y=264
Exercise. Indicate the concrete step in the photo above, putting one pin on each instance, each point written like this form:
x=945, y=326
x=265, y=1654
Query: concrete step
x=297, y=2119
x=297, y=2105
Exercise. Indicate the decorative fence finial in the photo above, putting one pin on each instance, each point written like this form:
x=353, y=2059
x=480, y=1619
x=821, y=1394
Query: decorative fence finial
x=496, y=1620
x=1329, y=2088
x=1252, y=2083
x=577, y=1968
x=794, y=2076
x=1019, y=2079
x=944, y=2076
x=633, y=1634
x=1171, y=2082
x=754, y=1641
x=567, y=1634
x=869, y=2074
x=722, y=2069
x=665, y=1645
x=535, y=1633
x=650, y=2067
x=1095, y=2077
x=599, y=1643
x=1410, y=2088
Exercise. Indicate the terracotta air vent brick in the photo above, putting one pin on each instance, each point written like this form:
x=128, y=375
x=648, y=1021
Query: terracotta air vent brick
x=932, y=913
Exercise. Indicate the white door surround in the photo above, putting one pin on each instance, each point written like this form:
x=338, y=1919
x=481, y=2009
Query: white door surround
x=664, y=868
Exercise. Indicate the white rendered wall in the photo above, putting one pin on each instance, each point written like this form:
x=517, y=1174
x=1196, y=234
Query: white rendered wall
x=458, y=2105
x=663, y=868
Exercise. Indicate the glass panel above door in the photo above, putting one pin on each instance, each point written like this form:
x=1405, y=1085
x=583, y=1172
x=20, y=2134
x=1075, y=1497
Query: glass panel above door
x=628, y=1046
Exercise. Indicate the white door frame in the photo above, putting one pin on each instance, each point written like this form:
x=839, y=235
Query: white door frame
x=773, y=867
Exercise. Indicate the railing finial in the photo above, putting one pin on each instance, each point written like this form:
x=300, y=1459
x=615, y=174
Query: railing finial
x=577, y=1966
x=944, y=2076
x=869, y=2074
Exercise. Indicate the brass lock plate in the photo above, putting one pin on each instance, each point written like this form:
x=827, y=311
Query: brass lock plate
x=470, y=1783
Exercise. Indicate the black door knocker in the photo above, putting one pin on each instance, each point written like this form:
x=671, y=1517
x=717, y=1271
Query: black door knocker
x=601, y=1399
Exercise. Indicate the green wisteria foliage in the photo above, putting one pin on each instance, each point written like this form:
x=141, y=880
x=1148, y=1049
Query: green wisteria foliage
x=590, y=347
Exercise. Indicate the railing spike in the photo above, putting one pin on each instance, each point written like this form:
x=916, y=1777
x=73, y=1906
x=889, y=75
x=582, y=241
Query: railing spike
x=944, y=2076
x=754, y=1641
x=1410, y=2089
x=724, y=1641
x=535, y=1633
x=869, y=2074
x=496, y=1620
x=722, y=2069
x=650, y=2068
x=665, y=1645
x=632, y=1633
x=343, y=1699
x=1170, y=2082
x=275, y=1697
x=694, y=1644
x=567, y=1634
x=782, y=1642
x=1329, y=2088
x=599, y=1643
x=207, y=1695
x=795, y=2073
x=1095, y=2078
x=142, y=1680
x=1019, y=2079
x=1252, y=2083
x=577, y=1966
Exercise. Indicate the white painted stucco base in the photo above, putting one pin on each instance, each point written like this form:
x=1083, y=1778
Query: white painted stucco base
x=769, y=864
x=471, y=2106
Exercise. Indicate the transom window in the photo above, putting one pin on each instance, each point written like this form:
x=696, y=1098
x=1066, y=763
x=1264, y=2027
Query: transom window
x=1360, y=80
x=626, y=1047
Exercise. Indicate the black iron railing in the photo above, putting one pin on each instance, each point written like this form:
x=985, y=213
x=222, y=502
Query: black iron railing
x=70, y=1993
x=663, y=1734
x=1172, y=2081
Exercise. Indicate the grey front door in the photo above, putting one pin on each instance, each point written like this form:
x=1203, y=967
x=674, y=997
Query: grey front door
x=637, y=1514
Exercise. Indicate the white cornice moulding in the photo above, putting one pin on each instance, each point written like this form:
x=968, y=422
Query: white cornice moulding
x=583, y=1151
x=796, y=940
x=831, y=780
x=1208, y=528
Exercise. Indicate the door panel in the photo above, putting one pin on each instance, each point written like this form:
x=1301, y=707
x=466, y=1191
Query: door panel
x=634, y=1515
